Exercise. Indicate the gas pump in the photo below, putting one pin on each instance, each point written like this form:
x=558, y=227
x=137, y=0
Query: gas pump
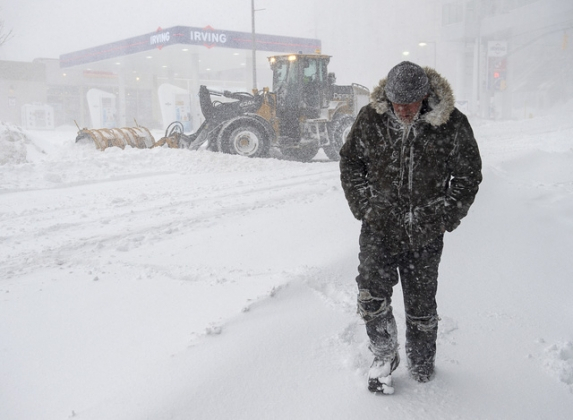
x=38, y=116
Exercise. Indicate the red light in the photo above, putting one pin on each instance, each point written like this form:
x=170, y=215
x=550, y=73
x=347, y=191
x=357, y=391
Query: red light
x=496, y=75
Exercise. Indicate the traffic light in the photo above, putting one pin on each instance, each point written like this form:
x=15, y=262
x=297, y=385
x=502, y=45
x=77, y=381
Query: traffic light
x=497, y=74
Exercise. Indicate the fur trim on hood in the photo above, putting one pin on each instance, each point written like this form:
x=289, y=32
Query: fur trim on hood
x=440, y=100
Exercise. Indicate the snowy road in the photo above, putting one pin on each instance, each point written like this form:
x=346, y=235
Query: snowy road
x=168, y=284
x=82, y=221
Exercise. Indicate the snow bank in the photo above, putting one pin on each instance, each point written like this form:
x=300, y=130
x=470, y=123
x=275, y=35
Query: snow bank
x=12, y=144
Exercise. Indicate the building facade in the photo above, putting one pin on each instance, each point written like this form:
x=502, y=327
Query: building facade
x=509, y=58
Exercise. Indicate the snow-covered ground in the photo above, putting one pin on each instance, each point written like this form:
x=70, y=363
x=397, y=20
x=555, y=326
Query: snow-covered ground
x=170, y=284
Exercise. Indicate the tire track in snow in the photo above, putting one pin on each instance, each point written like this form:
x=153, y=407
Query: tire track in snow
x=38, y=238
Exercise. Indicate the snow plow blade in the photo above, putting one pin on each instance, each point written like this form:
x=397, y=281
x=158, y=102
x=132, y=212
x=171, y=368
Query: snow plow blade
x=139, y=137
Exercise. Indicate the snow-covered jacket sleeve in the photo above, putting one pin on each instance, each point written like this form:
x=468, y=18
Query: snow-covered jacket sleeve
x=354, y=169
x=464, y=164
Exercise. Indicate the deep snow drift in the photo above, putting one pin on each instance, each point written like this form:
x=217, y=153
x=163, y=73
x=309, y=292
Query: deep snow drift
x=169, y=284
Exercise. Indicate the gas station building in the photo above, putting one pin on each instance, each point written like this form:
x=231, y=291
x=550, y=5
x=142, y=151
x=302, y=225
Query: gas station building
x=153, y=78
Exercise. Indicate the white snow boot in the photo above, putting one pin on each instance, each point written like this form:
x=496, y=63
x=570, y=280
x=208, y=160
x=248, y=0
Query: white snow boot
x=380, y=375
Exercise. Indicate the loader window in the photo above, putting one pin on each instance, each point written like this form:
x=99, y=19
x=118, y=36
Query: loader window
x=284, y=74
x=312, y=80
x=281, y=71
x=311, y=73
x=314, y=70
x=322, y=71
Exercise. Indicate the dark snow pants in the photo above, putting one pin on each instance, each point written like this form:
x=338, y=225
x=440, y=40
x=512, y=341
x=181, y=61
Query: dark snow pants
x=379, y=272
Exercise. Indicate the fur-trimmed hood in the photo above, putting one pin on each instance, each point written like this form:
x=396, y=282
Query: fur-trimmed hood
x=440, y=100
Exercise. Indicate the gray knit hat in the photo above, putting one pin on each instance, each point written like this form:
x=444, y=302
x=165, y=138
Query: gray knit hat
x=406, y=83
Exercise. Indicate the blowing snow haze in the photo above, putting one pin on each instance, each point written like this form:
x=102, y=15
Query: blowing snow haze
x=171, y=283
x=365, y=38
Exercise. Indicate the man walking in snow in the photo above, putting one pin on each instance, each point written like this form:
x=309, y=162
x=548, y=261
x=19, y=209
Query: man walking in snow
x=410, y=170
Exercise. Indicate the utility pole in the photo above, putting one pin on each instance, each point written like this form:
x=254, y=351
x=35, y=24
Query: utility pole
x=254, y=42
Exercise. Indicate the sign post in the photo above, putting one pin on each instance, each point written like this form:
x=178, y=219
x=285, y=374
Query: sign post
x=497, y=65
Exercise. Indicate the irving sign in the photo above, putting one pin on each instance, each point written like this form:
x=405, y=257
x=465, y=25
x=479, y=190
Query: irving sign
x=208, y=37
x=497, y=48
x=159, y=39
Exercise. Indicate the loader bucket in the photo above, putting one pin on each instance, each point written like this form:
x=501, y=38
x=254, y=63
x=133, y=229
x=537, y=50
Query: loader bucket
x=139, y=137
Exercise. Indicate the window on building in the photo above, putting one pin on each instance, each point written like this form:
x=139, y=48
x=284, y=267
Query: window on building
x=452, y=13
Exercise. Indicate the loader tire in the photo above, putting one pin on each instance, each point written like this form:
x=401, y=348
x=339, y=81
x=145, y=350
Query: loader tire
x=338, y=132
x=246, y=141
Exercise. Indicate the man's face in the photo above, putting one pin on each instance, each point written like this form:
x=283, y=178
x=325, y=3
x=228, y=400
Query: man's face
x=407, y=112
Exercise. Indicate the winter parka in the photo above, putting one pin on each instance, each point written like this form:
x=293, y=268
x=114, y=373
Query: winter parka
x=410, y=183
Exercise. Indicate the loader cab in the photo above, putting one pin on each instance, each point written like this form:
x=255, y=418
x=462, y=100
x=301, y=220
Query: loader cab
x=301, y=84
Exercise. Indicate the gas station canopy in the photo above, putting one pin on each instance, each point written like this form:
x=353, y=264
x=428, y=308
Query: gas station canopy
x=155, y=77
x=185, y=35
